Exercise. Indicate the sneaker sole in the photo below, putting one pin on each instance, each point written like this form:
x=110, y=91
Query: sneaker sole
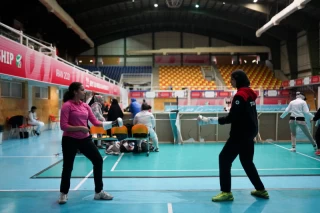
x=103, y=199
x=230, y=199
x=260, y=196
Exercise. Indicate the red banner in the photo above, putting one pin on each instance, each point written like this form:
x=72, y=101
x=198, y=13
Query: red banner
x=196, y=94
x=315, y=79
x=19, y=61
x=164, y=94
x=285, y=83
x=299, y=82
x=224, y=94
x=136, y=94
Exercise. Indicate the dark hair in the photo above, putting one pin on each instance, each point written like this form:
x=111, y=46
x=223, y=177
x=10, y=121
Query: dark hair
x=33, y=108
x=114, y=101
x=241, y=78
x=145, y=106
x=74, y=86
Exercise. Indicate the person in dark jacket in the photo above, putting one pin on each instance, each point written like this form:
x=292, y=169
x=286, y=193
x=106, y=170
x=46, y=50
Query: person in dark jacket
x=244, y=128
x=316, y=118
x=114, y=112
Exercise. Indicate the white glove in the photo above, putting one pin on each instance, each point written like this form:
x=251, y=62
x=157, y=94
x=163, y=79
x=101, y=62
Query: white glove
x=207, y=120
x=107, y=125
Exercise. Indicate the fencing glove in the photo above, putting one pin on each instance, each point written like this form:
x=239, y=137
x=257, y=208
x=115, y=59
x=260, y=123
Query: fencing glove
x=207, y=120
x=109, y=124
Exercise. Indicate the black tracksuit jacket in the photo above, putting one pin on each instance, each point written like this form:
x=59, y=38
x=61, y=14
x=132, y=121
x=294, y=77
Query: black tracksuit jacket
x=243, y=115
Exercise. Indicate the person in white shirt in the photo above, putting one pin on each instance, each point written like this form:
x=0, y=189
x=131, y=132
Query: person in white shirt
x=145, y=117
x=299, y=114
x=33, y=120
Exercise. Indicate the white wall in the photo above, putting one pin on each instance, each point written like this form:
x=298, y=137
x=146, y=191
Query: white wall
x=139, y=61
x=193, y=40
x=88, y=52
x=140, y=42
x=112, y=48
x=284, y=59
x=167, y=40
x=219, y=43
x=303, y=52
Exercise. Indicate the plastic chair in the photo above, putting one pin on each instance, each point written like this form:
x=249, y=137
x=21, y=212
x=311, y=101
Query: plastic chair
x=53, y=119
x=30, y=127
x=141, y=132
x=99, y=130
x=120, y=132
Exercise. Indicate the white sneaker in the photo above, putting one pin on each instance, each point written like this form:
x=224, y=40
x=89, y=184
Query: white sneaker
x=63, y=198
x=103, y=196
x=293, y=150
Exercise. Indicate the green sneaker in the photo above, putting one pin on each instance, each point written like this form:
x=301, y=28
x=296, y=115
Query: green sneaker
x=223, y=196
x=260, y=193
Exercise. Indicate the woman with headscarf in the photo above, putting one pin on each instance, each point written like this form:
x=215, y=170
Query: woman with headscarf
x=114, y=112
x=244, y=128
x=96, y=104
x=299, y=114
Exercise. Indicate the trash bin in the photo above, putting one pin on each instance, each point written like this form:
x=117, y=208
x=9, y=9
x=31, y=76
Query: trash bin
x=1, y=131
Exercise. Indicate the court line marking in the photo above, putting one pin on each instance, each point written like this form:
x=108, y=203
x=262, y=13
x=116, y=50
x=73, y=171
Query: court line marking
x=164, y=190
x=295, y=152
x=52, y=156
x=116, y=163
x=86, y=178
x=213, y=170
x=170, y=210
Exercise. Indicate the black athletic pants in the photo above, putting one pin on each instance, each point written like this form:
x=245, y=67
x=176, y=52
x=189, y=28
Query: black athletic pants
x=318, y=137
x=245, y=150
x=88, y=149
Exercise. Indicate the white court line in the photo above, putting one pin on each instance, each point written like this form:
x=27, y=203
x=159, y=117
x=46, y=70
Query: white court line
x=116, y=163
x=214, y=170
x=52, y=156
x=170, y=210
x=86, y=178
x=295, y=152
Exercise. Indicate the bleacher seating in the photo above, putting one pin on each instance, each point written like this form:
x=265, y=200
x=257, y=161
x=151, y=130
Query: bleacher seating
x=259, y=75
x=114, y=72
x=178, y=77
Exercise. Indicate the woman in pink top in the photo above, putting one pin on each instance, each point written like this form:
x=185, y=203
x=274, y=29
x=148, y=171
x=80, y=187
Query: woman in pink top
x=73, y=121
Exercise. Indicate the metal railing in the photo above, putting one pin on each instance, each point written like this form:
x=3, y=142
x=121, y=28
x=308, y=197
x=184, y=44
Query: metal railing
x=49, y=50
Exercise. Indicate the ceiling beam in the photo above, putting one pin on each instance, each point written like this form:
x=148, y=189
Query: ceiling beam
x=225, y=16
x=211, y=25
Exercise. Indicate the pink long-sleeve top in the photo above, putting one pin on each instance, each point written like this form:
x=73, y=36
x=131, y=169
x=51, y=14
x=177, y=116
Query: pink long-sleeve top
x=76, y=114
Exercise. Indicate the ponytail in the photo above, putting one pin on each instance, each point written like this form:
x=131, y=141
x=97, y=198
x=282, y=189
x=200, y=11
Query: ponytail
x=74, y=86
x=67, y=96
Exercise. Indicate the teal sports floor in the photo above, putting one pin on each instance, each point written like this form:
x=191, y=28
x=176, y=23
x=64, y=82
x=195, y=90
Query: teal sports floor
x=178, y=179
x=194, y=160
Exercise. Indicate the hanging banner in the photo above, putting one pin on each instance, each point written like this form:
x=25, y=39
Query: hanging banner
x=20, y=61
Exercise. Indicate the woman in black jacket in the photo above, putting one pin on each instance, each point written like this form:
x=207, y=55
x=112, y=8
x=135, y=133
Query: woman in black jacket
x=244, y=128
x=114, y=112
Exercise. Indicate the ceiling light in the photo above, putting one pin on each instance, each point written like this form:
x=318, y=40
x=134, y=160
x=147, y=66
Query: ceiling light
x=155, y=5
x=132, y=0
x=80, y=61
x=91, y=60
x=197, y=6
x=223, y=3
x=255, y=1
